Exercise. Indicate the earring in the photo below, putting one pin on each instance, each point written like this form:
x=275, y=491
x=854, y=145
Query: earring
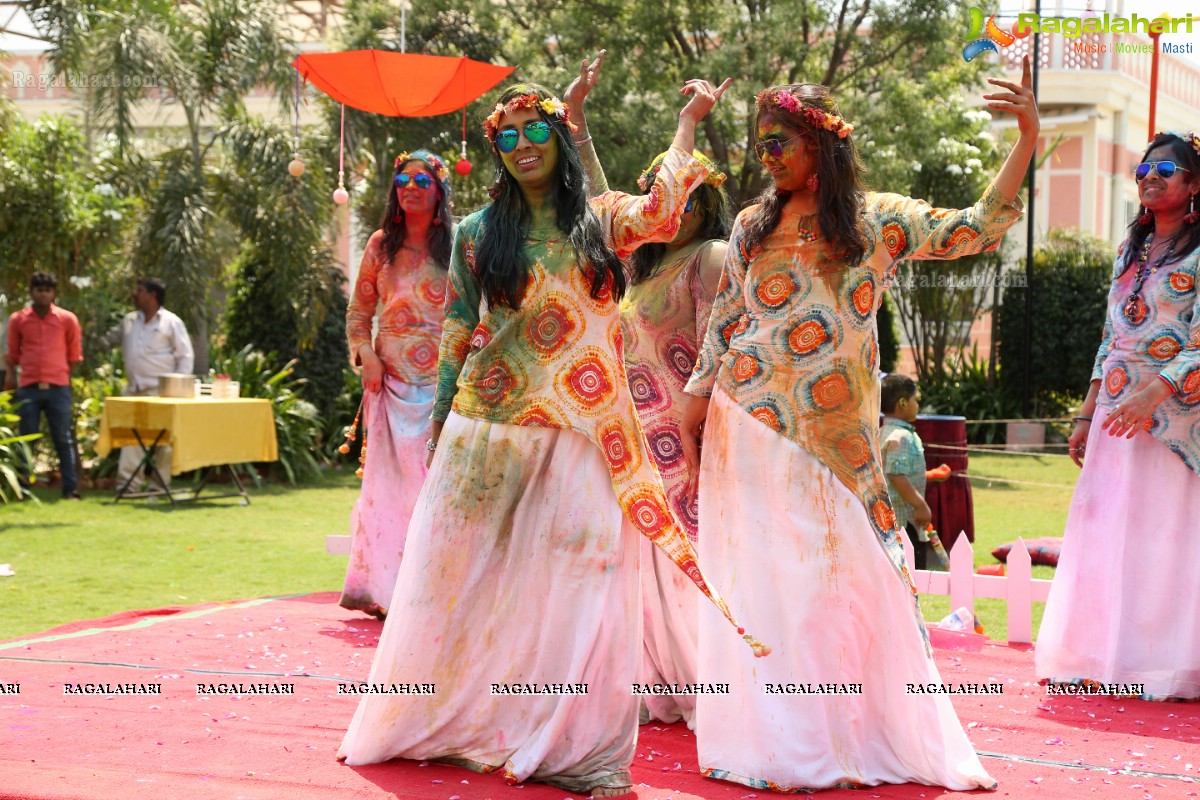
x=1192, y=214
x=437, y=220
x=398, y=218
x=812, y=182
x=1146, y=217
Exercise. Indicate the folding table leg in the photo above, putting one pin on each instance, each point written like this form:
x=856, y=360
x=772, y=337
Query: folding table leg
x=147, y=461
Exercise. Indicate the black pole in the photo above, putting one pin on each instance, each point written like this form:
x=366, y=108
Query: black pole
x=1027, y=360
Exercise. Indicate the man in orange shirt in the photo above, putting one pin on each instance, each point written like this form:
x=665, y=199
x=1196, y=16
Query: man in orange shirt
x=44, y=342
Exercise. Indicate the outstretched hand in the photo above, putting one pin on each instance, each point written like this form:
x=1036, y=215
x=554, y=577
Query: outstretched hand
x=704, y=97
x=582, y=85
x=1019, y=100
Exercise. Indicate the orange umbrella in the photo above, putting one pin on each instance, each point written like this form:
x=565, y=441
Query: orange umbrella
x=399, y=84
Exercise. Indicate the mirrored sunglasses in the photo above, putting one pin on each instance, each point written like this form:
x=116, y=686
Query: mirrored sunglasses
x=772, y=146
x=1165, y=169
x=422, y=180
x=537, y=132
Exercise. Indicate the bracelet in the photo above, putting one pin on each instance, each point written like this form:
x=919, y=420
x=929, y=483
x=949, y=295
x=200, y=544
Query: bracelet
x=1081, y=419
x=430, y=445
x=582, y=141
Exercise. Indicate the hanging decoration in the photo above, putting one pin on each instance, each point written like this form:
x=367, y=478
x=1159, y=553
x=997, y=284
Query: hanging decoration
x=340, y=195
x=397, y=85
x=296, y=166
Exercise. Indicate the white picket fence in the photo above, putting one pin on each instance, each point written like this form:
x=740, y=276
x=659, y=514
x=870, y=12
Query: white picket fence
x=1017, y=586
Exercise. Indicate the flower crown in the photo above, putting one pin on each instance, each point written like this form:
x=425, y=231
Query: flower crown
x=550, y=106
x=433, y=162
x=1188, y=136
x=825, y=120
x=714, y=179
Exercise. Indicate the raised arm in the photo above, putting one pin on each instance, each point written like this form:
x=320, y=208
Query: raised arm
x=633, y=220
x=575, y=98
x=1020, y=101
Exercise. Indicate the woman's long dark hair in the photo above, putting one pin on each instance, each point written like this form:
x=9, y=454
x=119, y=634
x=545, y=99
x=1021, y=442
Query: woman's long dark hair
x=839, y=174
x=716, y=220
x=501, y=264
x=395, y=227
x=1189, y=238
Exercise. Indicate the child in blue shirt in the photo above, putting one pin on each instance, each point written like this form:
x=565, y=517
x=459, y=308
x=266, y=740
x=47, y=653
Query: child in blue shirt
x=904, y=462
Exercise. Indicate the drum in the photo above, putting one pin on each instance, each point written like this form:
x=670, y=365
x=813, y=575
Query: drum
x=945, y=440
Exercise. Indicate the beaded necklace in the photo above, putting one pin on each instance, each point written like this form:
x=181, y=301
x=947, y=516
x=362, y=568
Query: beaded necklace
x=1145, y=270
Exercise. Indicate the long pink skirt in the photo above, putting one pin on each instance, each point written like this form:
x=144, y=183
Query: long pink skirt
x=520, y=571
x=670, y=610
x=1122, y=606
x=794, y=552
x=397, y=421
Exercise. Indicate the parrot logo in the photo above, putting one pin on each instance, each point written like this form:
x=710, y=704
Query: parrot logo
x=989, y=36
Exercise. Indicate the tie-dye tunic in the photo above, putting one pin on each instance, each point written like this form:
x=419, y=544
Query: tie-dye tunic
x=557, y=361
x=410, y=320
x=792, y=338
x=1162, y=339
x=665, y=317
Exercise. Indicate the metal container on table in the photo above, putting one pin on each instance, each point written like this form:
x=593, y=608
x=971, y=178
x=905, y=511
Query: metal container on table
x=176, y=385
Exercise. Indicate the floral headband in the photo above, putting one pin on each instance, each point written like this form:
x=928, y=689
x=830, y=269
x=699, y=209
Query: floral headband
x=435, y=164
x=551, y=106
x=1188, y=136
x=824, y=120
x=715, y=176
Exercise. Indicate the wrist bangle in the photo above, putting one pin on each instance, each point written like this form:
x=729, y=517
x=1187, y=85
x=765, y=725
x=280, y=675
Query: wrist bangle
x=430, y=445
x=583, y=141
x=1081, y=419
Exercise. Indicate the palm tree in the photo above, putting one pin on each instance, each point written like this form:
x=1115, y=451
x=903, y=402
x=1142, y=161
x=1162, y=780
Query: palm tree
x=202, y=58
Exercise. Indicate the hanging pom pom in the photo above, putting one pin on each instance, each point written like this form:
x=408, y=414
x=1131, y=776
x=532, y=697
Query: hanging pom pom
x=358, y=473
x=463, y=167
x=296, y=168
x=341, y=196
x=760, y=649
x=344, y=449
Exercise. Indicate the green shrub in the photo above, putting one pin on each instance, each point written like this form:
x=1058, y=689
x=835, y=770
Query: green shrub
x=14, y=449
x=298, y=425
x=1072, y=272
x=889, y=334
x=277, y=334
x=967, y=390
x=106, y=380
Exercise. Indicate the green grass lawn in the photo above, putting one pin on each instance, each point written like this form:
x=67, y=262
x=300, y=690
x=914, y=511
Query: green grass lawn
x=1004, y=511
x=90, y=559
x=81, y=560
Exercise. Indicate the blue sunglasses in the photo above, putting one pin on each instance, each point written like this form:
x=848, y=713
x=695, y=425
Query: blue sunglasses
x=1165, y=169
x=537, y=132
x=422, y=180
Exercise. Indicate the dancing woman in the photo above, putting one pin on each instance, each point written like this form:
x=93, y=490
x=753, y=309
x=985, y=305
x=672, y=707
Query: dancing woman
x=403, y=273
x=794, y=511
x=1117, y=611
x=664, y=315
x=521, y=569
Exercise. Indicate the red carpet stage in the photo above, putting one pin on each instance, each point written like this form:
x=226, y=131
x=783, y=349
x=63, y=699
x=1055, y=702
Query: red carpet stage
x=179, y=744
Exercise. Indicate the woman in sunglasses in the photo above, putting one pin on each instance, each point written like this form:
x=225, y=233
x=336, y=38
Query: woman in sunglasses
x=1130, y=550
x=518, y=594
x=794, y=510
x=403, y=275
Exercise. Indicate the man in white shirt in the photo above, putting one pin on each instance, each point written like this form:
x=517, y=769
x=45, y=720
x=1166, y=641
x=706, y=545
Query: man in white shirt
x=154, y=342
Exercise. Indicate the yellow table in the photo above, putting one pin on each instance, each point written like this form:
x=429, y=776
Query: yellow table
x=202, y=432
